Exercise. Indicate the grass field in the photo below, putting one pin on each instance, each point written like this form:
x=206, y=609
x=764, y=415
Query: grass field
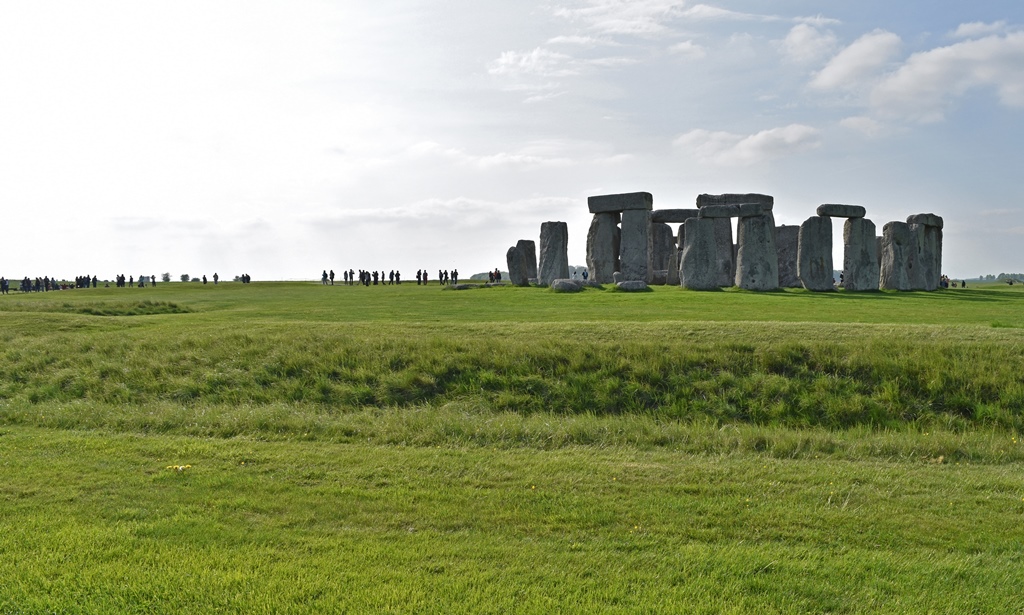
x=413, y=449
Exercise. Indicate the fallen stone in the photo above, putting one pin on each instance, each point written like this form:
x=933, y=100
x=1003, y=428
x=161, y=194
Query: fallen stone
x=860, y=255
x=554, y=256
x=633, y=285
x=705, y=200
x=925, y=219
x=673, y=216
x=603, y=247
x=617, y=277
x=529, y=249
x=566, y=285
x=662, y=245
x=814, y=254
x=518, y=272
x=659, y=277
x=787, y=240
x=592, y=284
x=633, y=245
x=463, y=286
x=698, y=266
x=757, y=259
x=841, y=211
x=899, y=249
x=609, y=203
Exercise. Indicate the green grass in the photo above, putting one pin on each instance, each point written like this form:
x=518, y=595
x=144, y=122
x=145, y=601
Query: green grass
x=404, y=449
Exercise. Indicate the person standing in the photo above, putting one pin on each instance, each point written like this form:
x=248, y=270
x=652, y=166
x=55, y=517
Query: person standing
x=323, y=278
x=215, y=277
x=455, y=276
x=332, y=277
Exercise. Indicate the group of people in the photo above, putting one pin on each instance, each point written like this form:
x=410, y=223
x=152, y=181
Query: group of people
x=375, y=278
x=46, y=284
x=945, y=282
x=120, y=283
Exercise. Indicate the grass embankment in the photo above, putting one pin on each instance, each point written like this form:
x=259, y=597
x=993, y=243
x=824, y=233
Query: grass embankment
x=509, y=450
x=636, y=355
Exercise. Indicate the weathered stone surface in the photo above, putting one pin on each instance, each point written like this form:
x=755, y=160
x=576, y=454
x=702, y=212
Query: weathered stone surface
x=915, y=264
x=603, y=247
x=787, y=240
x=841, y=211
x=932, y=257
x=899, y=250
x=704, y=200
x=860, y=255
x=592, y=284
x=699, y=264
x=608, y=203
x=566, y=285
x=554, y=256
x=725, y=252
x=633, y=285
x=633, y=247
x=814, y=254
x=617, y=277
x=659, y=277
x=673, y=268
x=529, y=250
x=757, y=259
x=720, y=211
x=518, y=273
x=673, y=216
x=662, y=245
x=925, y=219
x=464, y=286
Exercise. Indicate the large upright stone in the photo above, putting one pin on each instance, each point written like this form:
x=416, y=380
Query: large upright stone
x=614, y=203
x=757, y=259
x=554, y=254
x=673, y=216
x=916, y=265
x=704, y=200
x=634, y=258
x=603, y=247
x=725, y=252
x=928, y=228
x=814, y=257
x=662, y=245
x=518, y=272
x=529, y=250
x=787, y=240
x=698, y=266
x=673, y=268
x=860, y=255
x=899, y=250
x=925, y=219
x=841, y=211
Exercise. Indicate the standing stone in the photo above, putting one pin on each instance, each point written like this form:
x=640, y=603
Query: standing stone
x=662, y=245
x=899, y=248
x=860, y=255
x=814, y=257
x=554, y=252
x=938, y=250
x=603, y=247
x=698, y=268
x=916, y=264
x=930, y=258
x=633, y=246
x=724, y=251
x=529, y=250
x=518, y=272
x=757, y=259
x=673, y=268
x=787, y=240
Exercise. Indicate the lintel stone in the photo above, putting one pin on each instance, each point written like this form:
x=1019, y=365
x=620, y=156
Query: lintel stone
x=609, y=203
x=925, y=219
x=705, y=200
x=830, y=210
x=673, y=216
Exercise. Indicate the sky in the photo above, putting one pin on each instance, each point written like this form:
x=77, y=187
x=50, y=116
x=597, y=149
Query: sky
x=281, y=138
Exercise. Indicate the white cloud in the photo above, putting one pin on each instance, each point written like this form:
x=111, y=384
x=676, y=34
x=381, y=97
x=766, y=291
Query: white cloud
x=806, y=44
x=688, y=49
x=864, y=125
x=727, y=148
x=862, y=61
x=978, y=28
x=924, y=87
x=582, y=41
x=640, y=17
x=540, y=62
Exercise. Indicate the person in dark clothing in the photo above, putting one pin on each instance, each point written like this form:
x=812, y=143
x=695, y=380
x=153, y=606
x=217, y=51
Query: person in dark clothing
x=455, y=276
x=204, y=279
x=323, y=278
x=332, y=277
x=419, y=276
x=398, y=278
